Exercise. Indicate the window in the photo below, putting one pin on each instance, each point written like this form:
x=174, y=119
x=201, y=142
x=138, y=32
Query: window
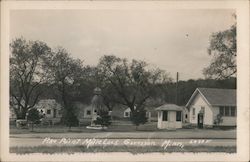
x=165, y=116
x=126, y=114
x=203, y=109
x=193, y=111
x=178, y=115
x=48, y=111
x=88, y=112
x=233, y=113
x=186, y=116
x=226, y=111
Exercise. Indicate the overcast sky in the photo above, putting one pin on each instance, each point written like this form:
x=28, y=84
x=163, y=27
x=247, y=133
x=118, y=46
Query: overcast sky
x=173, y=40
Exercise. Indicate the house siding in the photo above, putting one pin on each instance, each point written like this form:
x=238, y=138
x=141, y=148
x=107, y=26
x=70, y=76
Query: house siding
x=198, y=103
x=226, y=120
x=171, y=123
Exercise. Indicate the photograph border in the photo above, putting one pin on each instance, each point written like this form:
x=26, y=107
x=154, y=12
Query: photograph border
x=242, y=12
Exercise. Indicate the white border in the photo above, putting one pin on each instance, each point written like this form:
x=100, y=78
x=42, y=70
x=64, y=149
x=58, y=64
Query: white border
x=242, y=9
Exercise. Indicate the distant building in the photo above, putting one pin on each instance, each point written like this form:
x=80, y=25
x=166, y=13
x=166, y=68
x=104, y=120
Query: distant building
x=170, y=116
x=211, y=106
x=51, y=110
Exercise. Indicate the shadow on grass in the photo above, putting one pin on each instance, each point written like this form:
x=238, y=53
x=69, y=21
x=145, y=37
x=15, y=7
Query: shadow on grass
x=124, y=148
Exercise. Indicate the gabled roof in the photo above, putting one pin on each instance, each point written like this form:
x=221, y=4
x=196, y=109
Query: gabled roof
x=215, y=96
x=169, y=107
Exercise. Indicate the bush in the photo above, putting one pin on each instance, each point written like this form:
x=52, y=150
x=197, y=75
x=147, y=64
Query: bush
x=138, y=117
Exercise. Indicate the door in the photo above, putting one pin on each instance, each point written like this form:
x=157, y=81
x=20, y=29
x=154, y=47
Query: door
x=171, y=122
x=200, y=120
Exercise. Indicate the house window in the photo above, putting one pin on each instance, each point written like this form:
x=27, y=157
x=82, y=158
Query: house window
x=164, y=115
x=178, y=115
x=88, y=112
x=226, y=111
x=48, y=111
x=203, y=109
x=126, y=114
x=186, y=116
x=193, y=111
x=233, y=111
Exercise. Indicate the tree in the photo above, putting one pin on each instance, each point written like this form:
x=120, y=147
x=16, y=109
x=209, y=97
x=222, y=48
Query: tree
x=27, y=73
x=66, y=74
x=223, y=48
x=103, y=119
x=71, y=119
x=138, y=117
x=33, y=116
x=132, y=82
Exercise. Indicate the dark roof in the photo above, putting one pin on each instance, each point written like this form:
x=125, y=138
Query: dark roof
x=217, y=97
x=169, y=107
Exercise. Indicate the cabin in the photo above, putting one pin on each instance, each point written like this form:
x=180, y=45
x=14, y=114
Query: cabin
x=209, y=107
x=50, y=109
x=170, y=116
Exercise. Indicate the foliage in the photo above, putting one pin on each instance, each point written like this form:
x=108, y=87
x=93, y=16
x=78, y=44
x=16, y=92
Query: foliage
x=138, y=116
x=223, y=48
x=27, y=73
x=66, y=73
x=103, y=119
x=70, y=119
x=33, y=116
x=132, y=83
x=218, y=119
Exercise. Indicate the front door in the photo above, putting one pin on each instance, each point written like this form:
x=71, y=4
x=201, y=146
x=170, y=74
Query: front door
x=200, y=120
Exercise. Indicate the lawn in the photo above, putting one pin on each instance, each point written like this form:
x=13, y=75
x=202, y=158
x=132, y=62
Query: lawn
x=120, y=130
x=130, y=149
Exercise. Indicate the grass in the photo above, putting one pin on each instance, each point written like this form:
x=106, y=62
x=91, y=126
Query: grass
x=64, y=129
x=124, y=148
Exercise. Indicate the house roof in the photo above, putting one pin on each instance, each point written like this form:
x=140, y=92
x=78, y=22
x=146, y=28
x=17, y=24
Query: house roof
x=169, y=107
x=215, y=96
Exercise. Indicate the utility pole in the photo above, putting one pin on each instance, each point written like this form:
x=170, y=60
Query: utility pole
x=176, y=90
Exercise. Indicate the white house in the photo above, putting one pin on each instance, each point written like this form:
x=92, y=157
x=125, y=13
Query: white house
x=169, y=116
x=127, y=113
x=51, y=110
x=211, y=106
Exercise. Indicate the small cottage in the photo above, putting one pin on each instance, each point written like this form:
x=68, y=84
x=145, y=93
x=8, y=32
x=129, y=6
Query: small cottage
x=51, y=110
x=169, y=116
x=212, y=106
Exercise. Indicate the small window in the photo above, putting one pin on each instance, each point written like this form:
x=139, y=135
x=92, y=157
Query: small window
x=193, y=111
x=233, y=111
x=186, y=116
x=226, y=111
x=126, y=114
x=178, y=115
x=48, y=111
x=203, y=109
x=165, y=116
x=88, y=112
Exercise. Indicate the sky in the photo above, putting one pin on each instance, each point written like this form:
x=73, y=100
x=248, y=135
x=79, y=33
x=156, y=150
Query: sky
x=173, y=40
